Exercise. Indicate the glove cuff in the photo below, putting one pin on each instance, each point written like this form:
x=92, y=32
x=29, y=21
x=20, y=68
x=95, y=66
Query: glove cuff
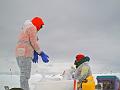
x=41, y=53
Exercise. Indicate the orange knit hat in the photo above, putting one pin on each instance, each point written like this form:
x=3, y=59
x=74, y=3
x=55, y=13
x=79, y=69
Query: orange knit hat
x=37, y=22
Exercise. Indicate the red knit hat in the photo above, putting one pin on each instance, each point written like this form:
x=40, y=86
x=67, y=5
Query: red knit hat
x=79, y=57
x=37, y=22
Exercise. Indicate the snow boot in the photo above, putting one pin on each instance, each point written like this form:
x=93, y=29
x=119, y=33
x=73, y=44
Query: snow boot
x=7, y=88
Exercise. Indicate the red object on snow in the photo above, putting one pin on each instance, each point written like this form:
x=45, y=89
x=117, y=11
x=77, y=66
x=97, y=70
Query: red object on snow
x=74, y=87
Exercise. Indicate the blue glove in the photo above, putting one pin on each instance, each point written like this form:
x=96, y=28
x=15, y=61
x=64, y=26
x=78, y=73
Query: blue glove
x=35, y=58
x=44, y=57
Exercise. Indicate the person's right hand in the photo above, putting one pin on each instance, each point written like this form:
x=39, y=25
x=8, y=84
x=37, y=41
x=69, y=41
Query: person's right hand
x=44, y=57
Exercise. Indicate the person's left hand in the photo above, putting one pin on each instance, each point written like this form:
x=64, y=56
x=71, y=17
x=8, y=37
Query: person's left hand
x=35, y=58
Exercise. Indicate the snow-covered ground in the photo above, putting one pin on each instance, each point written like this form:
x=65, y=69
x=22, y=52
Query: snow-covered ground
x=39, y=82
x=45, y=77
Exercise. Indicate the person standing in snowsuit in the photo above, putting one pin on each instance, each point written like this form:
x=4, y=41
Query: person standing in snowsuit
x=28, y=49
x=83, y=73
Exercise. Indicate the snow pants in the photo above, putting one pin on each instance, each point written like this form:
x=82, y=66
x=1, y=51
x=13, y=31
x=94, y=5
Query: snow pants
x=24, y=64
x=89, y=85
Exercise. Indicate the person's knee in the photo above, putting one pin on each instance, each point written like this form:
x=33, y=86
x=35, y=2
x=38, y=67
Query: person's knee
x=22, y=79
x=26, y=74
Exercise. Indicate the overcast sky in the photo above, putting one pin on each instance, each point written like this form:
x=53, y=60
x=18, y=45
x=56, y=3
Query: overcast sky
x=71, y=26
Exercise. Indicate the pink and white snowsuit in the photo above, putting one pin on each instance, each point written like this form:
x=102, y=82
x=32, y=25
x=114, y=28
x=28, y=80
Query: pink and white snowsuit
x=27, y=43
